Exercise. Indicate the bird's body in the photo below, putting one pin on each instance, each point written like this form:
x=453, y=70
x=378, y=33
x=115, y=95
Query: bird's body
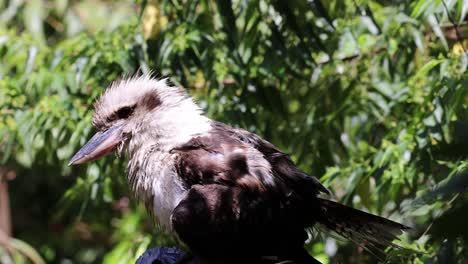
x=226, y=192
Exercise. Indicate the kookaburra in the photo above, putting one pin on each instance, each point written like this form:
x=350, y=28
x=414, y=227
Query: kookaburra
x=228, y=194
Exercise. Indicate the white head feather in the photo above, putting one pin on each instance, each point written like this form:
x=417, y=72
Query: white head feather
x=163, y=114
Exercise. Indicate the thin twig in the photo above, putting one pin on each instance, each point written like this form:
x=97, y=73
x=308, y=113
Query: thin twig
x=459, y=37
x=354, y=57
x=5, y=220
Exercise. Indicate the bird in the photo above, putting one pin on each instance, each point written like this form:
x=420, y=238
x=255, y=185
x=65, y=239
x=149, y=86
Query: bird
x=228, y=194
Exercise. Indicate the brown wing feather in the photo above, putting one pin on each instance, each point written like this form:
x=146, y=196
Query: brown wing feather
x=237, y=157
x=215, y=158
x=236, y=197
x=283, y=168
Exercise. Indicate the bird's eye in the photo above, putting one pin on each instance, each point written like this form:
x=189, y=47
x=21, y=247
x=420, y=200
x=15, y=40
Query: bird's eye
x=122, y=113
x=125, y=112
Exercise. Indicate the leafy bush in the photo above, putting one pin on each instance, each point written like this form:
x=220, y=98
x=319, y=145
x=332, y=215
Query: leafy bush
x=369, y=96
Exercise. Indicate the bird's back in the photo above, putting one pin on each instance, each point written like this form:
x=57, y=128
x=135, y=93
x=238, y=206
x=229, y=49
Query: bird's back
x=245, y=193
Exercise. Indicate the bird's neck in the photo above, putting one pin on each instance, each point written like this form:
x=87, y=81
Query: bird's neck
x=149, y=170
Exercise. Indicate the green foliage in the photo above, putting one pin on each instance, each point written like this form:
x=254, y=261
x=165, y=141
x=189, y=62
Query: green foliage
x=369, y=96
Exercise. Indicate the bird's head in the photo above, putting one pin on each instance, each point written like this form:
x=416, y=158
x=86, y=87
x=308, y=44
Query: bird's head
x=136, y=109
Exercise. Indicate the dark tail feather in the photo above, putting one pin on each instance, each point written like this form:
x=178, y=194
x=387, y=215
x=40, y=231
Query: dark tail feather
x=371, y=232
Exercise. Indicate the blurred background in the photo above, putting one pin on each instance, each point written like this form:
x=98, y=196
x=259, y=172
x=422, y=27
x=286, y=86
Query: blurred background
x=370, y=96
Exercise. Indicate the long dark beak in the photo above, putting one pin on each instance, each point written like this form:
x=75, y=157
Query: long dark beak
x=100, y=144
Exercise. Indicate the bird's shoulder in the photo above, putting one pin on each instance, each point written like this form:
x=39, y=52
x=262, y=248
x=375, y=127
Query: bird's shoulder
x=235, y=156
